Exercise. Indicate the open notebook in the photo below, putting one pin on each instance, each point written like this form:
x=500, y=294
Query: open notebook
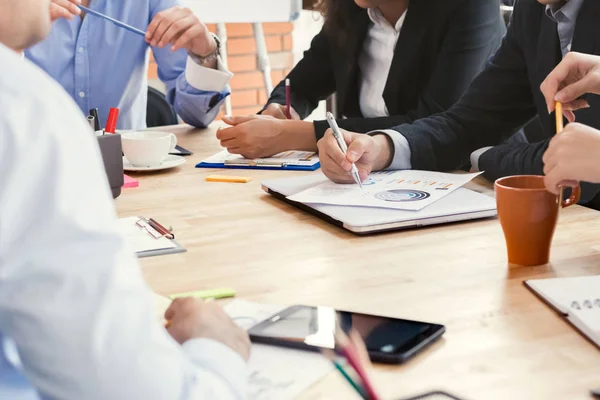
x=577, y=299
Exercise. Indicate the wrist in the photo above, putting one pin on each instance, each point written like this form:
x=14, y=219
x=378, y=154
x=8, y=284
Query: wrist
x=211, y=48
x=300, y=134
x=385, y=145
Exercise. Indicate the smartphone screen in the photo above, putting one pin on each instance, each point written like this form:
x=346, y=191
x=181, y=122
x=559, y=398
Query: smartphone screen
x=314, y=327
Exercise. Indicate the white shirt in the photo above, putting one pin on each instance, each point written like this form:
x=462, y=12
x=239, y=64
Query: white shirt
x=375, y=61
x=73, y=302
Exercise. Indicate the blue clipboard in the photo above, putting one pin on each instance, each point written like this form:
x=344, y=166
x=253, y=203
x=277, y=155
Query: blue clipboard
x=286, y=161
x=286, y=167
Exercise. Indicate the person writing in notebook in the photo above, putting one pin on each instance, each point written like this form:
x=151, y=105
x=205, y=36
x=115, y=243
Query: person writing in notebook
x=575, y=153
x=388, y=61
x=77, y=320
x=102, y=65
x=503, y=98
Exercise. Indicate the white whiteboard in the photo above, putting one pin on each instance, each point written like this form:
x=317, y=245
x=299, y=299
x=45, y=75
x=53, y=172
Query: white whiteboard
x=214, y=11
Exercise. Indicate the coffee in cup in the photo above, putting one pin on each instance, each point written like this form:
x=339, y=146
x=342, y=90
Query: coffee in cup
x=147, y=148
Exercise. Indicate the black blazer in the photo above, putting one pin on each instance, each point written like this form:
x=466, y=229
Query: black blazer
x=506, y=96
x=442, y=46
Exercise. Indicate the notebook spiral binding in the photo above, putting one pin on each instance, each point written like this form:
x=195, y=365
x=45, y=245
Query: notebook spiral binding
x=589, y=304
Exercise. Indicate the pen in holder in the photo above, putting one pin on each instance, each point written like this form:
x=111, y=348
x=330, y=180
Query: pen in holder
x=112, y=155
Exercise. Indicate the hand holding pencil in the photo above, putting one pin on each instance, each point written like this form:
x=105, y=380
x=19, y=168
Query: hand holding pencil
x=189, y=318
x=64, y=9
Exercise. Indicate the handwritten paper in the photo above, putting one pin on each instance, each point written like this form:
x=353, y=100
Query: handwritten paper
x=276, y=373
x=400, y=190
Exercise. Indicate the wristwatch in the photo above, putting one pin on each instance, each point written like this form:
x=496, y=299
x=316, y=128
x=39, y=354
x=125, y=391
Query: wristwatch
x=211, y=57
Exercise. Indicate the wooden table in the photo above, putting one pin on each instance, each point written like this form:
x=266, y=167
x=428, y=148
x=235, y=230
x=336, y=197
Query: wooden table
x=501, y=341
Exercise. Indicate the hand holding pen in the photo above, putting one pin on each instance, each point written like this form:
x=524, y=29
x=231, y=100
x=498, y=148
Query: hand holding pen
x=337, y=134
x=64, y=9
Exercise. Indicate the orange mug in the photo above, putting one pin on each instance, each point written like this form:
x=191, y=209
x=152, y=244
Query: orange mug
x=528, y=215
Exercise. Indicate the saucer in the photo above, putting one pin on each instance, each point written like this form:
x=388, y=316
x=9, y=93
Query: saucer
x=169, y=162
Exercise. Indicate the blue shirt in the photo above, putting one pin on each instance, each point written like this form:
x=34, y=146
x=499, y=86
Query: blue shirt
x=102, y=65
x=565, y=15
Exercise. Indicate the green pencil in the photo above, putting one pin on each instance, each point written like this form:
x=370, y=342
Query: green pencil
x=351, y=381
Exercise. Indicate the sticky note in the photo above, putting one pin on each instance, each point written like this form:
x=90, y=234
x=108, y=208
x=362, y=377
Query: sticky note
x=130, y=182
x=230, y=179
x=220, y=293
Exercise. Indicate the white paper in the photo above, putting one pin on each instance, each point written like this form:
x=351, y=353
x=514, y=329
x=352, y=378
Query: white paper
x=216, y=11
x=298, y=158
x=276, y=373
x=399, y=190
x=138, y=238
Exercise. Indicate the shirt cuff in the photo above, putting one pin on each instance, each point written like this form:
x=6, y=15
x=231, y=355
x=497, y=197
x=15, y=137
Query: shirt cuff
x=220, y=359
x=207, y=79
x=402, y=153
x=475, y=158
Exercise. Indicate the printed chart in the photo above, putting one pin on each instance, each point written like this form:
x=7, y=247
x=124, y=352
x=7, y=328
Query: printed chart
x=401, y=190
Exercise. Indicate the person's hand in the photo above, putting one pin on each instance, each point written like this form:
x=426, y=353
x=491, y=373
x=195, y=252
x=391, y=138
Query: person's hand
x=253, y=136
x=193, y=319
x=370, y=153
x=179, y=27
x=64, y=9
x=575, y=76
x=278, y=111
x=573, y=155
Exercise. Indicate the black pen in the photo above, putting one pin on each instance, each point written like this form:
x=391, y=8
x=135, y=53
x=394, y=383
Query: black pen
x=97, y=125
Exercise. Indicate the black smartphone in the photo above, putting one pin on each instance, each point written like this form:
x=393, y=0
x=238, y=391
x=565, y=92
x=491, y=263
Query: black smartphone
x=388, y=340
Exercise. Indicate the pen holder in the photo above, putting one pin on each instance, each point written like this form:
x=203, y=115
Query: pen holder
x=112, y=155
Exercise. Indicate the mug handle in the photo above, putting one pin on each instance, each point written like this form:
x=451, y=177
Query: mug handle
x=575, y=196
x=173, y=142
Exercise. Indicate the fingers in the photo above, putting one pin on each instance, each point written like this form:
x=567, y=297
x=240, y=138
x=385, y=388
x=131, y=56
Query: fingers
x=329, y=146
x=64, y=9
x=226, y=134
x=229, y=120
x=575, y=90
x=552, y=180
x=553, y=81
x=180, y=306
x=185, y=40
x=575, y=105
x=275, y=110
x=333, y=171
x=160, y=23
x=358, y=147
x=569, y=115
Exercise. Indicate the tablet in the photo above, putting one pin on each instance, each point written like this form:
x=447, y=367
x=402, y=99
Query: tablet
x=388, y=340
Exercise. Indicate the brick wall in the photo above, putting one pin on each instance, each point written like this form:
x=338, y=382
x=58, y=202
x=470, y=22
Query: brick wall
x=247, y=88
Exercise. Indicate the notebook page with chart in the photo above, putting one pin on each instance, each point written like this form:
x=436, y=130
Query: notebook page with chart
x=577, y=299
x=400, y=190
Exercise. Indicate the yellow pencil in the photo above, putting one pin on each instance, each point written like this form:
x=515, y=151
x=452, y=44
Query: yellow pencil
x=559, y=117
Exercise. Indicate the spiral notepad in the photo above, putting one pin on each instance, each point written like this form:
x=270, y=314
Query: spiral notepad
x=577, y=299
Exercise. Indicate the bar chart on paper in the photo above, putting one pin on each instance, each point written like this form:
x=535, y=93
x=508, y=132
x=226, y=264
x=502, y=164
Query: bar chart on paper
x=401, y=190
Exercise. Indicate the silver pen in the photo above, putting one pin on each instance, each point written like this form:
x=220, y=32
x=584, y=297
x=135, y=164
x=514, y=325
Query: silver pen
x=342, y=143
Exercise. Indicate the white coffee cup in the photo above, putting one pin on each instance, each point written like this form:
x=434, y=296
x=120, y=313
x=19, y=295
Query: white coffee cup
x=147, y=148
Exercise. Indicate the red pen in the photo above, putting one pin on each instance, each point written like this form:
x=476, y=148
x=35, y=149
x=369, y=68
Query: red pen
x=111, y=122
x=288, y=100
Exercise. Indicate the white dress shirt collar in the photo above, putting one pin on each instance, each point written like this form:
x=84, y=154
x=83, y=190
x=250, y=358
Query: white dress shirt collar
x=377, y=17
x=375, y=61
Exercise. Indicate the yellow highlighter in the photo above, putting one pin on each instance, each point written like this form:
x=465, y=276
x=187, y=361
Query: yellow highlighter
x=228, y=179
x=215, y=294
